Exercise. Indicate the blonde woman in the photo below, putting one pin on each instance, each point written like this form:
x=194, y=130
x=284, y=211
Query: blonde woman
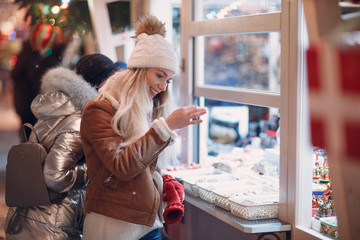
x=125, y=132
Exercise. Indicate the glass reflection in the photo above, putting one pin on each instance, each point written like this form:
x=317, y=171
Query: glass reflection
x=212, y=9
x=241, y=138
x=248, y=61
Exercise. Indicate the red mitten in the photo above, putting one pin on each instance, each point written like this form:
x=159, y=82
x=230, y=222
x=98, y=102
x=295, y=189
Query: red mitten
x=174, y=210
x=178, y=187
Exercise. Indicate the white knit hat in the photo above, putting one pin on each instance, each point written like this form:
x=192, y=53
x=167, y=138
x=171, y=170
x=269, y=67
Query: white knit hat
x=153, y=51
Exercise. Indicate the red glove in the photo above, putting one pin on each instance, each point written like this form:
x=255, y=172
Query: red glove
x=178, y=187
x=174, y=210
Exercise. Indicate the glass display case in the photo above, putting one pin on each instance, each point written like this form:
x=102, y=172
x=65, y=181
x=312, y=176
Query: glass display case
x=235, y=64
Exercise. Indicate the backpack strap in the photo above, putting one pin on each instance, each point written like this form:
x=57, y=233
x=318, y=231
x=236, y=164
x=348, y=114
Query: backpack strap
x=24, y=138
x=23, y=132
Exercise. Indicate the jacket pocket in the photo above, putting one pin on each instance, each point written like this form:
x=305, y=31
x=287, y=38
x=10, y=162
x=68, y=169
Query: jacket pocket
x=114, y=190
x=110, y=182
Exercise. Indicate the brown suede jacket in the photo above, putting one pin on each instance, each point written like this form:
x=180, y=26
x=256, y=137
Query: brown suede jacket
x=120, y=178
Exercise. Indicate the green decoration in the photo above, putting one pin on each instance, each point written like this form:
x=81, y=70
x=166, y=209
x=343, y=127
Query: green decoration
x=73, y=19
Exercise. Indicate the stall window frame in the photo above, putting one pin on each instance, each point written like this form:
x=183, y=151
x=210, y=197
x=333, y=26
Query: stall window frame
x=295, y=179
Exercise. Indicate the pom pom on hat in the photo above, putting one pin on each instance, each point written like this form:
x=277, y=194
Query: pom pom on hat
x=152, y=50
x=95, y=68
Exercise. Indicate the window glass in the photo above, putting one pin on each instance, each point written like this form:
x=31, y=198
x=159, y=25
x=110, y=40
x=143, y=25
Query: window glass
x=248, y=61
x=213, y=9
x=176, y=44
x=241, y=139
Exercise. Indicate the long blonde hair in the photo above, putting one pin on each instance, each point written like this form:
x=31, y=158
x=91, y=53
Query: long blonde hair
x=136, y=110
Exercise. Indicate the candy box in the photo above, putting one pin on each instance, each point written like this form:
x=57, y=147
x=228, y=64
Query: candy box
x=329, y=227
x=315, y=224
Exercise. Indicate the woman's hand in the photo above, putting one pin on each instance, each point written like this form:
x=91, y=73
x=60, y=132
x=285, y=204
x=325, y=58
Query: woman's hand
x=185, y=116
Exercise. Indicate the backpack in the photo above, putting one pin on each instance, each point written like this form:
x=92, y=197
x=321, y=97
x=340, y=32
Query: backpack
x=25, y=184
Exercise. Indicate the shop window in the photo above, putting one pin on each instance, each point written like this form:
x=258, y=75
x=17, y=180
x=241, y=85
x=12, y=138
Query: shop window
x=236, y=65
x=213, y=9
x=216, y=34
x=119, y=14
x=176, y=10
x=248, y=61
x=242, y=140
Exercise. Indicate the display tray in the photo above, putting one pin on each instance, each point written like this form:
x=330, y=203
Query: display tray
x=221, y=197
x=191, y=184
x=255, y=207
x=207, y=189
x=189, y=178
x=191, y=188
x=184, y=173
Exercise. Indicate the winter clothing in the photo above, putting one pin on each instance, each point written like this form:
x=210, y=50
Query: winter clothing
x=174, y=196
x=152, y=50
x=121, y=65
x=26, y=82
x=95, y=68
x=63, y=97
x=124, y=197
x=174, y=210
x=97, y=226
x=178, y=187
x=26, y=76
x=121, y=177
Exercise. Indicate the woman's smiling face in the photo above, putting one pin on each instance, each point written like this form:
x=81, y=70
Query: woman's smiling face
x=158, y=79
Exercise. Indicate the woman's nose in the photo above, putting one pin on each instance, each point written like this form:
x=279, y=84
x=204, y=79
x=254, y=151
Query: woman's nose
x=163, y=86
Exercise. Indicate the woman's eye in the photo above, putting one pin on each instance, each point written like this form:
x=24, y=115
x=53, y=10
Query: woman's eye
x=159, y=76
x=168, y=81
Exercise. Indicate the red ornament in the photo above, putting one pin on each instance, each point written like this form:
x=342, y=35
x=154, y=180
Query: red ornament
x=42, y=36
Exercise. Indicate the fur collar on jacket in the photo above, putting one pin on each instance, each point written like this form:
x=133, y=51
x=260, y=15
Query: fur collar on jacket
x=61, y=79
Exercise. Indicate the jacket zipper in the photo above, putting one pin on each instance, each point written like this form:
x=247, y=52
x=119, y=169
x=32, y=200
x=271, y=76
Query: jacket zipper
x=108, y=179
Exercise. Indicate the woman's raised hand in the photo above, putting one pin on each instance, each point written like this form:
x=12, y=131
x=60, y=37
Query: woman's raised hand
x=185, y=116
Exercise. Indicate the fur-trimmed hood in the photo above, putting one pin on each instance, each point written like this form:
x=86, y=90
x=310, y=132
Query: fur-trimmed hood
x=62, y=92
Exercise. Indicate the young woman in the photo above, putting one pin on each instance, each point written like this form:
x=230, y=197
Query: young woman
x=125, y=132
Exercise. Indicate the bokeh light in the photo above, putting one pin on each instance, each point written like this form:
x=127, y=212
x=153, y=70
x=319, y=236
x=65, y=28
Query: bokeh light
x=48, y=51
x=12, y=35
x=55, y=9
x=12, y=60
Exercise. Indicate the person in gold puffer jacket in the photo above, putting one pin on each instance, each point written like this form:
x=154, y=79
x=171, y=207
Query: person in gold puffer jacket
x=58, y=108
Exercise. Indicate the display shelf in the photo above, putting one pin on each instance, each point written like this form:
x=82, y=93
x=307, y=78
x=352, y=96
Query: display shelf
x=246, y=226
